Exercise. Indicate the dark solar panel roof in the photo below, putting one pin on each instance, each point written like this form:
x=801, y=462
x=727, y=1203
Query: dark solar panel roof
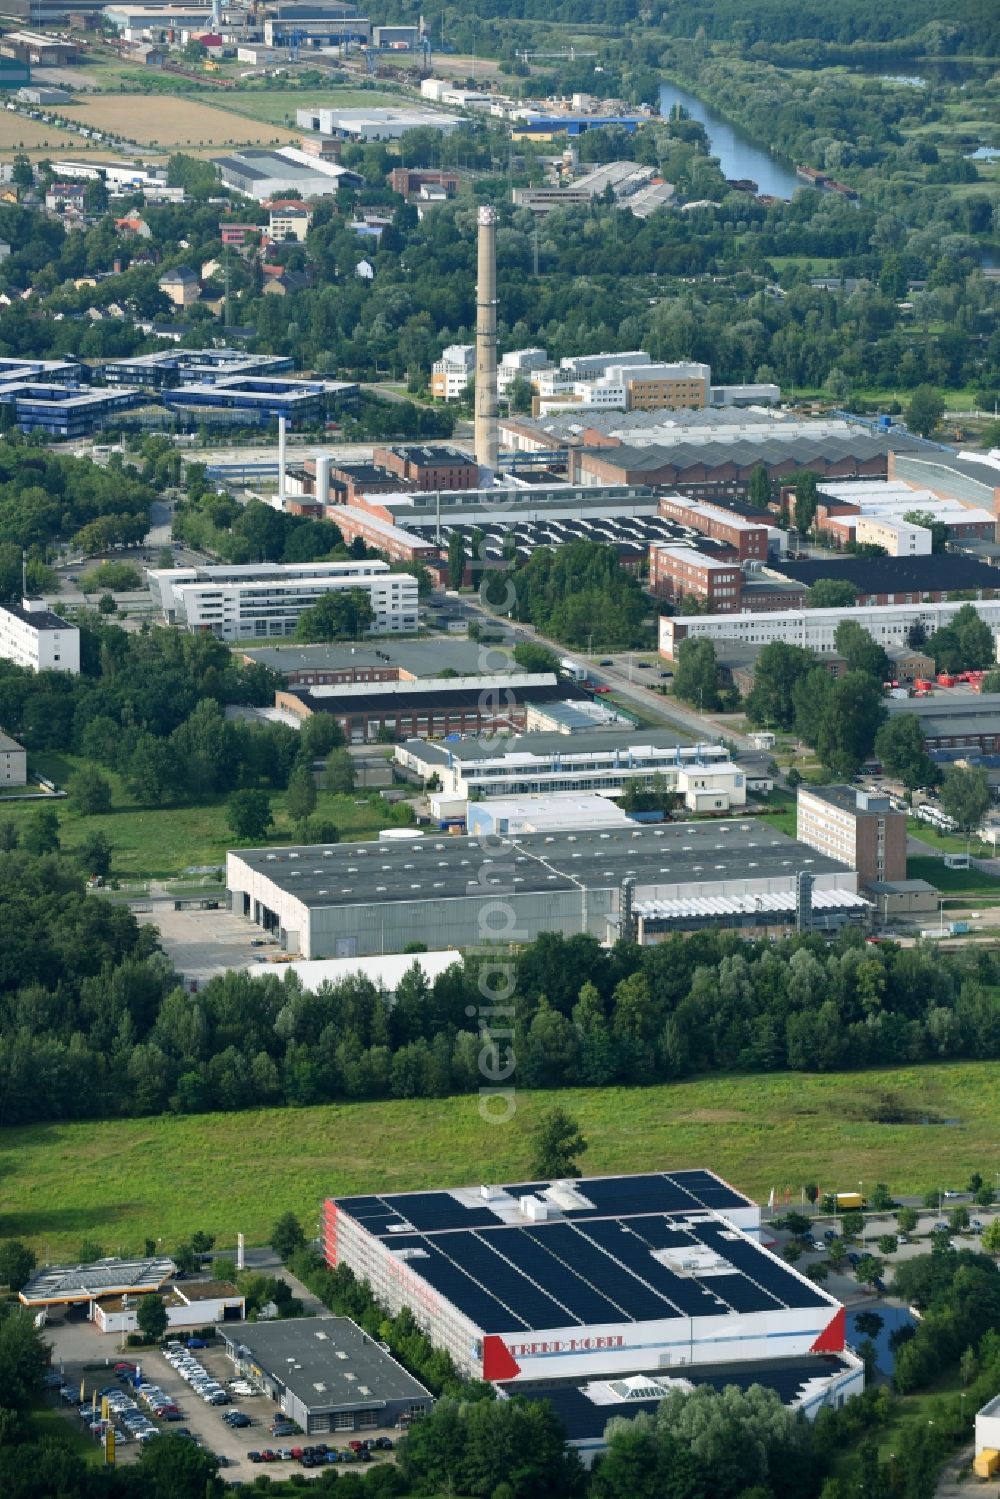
x=429, y=1211
x=446, y=697
x=943, y=570
x=584, y=1419
x=597, y=1263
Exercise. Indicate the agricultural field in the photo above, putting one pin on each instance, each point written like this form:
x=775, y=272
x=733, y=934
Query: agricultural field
x=17, y=133
x=161, y=842
x=120, y=1181
x=170, y=121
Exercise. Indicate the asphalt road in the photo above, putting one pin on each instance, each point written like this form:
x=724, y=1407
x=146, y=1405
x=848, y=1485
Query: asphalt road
x=650, y=703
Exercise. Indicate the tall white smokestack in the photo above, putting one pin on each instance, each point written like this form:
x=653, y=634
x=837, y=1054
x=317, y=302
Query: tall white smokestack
x=486, y=347
x=323, y=479
x=282, y=461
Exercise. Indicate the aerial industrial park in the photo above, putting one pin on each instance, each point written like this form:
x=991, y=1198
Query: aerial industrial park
x=499, y=751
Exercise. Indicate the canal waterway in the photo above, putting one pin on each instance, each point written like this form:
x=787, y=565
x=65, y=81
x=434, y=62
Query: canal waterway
x=740, y=156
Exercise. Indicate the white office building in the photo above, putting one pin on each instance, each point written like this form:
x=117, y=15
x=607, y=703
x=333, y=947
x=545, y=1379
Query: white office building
x=816, y=629
x=900, y=538
x=520, y=364
x=593, y=366
x=452, y=372
x=33, y=637
x=604, y=761
x=264, y=600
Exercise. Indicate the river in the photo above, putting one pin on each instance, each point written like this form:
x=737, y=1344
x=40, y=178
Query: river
x=740, y=156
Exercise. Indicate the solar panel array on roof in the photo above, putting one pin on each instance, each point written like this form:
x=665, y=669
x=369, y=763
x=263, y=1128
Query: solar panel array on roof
x=639, y=1194
x=689, y=1296
x=477, y=1303
x=769, y=1274
x=534, y=1257
x=480, y=1259
x=638, y=1303
x=630, y=534
x=700, y=1183
x=601, y=1255
x=429, y=1211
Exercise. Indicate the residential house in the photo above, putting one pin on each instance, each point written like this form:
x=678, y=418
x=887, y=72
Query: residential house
x=180, y=285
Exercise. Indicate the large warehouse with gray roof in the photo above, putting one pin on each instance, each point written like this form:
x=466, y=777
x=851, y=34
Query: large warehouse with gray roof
x=356, y=899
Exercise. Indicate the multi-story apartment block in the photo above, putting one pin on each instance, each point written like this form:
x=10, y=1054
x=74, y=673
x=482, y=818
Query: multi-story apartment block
x=33, y=637
x=857, y=828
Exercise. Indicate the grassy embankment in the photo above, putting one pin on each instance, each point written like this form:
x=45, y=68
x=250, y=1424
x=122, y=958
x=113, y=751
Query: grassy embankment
x=121, y=1181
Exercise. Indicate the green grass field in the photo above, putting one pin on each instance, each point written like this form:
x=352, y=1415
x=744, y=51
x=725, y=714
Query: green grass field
x=118, y=1181
x=948, y=843
x=160, y=842
x=953, y=881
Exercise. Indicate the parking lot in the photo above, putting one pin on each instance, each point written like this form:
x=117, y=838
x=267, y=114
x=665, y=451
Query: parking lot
x=80, y=1351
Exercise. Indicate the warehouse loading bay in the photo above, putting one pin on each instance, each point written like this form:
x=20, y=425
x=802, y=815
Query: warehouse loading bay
x=80, y=1351
x=204, y=944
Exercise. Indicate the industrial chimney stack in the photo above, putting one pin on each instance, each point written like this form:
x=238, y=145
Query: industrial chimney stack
x=486, y=348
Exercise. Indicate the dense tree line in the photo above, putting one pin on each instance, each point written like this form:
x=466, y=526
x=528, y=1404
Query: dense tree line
x=580, y=593
x=46, y=497
x=151, y=706
x=843, y=718
x=110, y=1032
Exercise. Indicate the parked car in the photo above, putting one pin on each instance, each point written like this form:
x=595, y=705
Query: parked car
x=383, y=1444
x=252, y=1457
x=196, y=1343
x=829, y=1235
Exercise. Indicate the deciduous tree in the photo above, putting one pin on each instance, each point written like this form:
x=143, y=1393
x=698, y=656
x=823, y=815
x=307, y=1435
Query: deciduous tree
x=287, y=1237
x=249, y=814
x=557, y=1143
x=16, y=1264
x=965, y=795
x=151, y=1317
x=91, y=792
x=899, y=745
x=925, y=410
